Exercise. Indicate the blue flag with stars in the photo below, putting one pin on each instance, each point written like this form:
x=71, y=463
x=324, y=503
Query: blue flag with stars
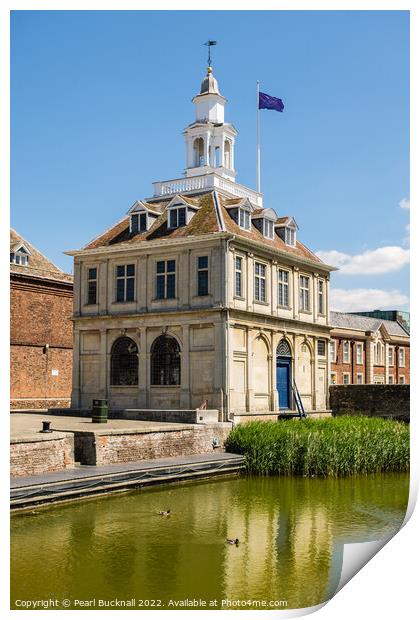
x=267, y=102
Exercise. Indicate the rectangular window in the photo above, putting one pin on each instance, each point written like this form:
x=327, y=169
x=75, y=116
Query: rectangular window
x=391, y=380
x=143, y=222
x=244, y=219
x=165, y=279
x=346, y=352
x=268, y=227
x=359, y=379
x=346, y=378
x=321, y=309
x=359, y=353
x=401, y=357
x=203, y=275
x=332, y=351
x=304, y=293
x=333, y=378
x=390, y=356
x=125, y=279
x=177, y=217
x=290, y=236
x=402, y=380
x=259, y=292
x=321, y=348
x=135, y=223
x=283, y=288
x=92, y=285
x=238, y=276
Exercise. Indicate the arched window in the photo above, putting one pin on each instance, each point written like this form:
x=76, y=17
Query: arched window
x=124, y=362
x=166, y=361
x=283, y=349
x=227, y=162
x=198, y=152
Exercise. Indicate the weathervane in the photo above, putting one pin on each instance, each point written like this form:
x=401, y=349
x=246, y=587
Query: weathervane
x=209, y=44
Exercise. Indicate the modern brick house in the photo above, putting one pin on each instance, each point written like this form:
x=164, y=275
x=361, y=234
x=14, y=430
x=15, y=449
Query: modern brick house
x=200, y=294
x=41, y=304
x=368, y=350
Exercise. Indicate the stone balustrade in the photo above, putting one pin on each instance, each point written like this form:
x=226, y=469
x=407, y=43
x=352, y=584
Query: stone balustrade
x=206, y=182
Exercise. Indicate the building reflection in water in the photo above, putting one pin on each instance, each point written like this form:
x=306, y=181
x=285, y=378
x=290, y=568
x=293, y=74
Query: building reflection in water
x=292, y=532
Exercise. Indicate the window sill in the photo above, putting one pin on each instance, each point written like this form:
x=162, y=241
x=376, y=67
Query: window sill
x=90, y=305
x=160, y=299
x=239, y=298
x=132, y=301
x=261, y=303
x=159, y=387
x=207, y=297
x=124, y=387
x=305, y=311
x=284, y=307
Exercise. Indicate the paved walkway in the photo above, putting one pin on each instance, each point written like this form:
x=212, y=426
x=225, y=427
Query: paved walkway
x=23, y=425
x=86, y=480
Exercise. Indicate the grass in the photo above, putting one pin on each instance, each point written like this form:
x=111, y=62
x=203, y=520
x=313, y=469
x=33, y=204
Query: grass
x=335, y=447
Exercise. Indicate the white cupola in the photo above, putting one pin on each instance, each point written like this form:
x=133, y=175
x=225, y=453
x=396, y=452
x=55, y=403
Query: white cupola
x=210, y=141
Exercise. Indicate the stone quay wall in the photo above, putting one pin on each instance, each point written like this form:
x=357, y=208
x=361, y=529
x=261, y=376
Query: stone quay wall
x=106, y=448
x=48, y=453
x=384, y=401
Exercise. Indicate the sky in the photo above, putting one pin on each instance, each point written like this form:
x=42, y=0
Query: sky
x=99, y=100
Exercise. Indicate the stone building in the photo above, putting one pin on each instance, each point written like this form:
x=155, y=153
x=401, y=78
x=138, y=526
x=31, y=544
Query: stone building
x=201, y=295
x=368, y=350
x=41, y=304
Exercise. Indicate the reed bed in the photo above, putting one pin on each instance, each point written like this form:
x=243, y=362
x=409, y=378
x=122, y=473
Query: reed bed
x=335, y=447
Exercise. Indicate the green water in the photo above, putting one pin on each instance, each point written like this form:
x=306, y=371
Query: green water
x=291, y=533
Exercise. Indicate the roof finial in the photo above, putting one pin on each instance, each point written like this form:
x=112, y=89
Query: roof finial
x=209, y=44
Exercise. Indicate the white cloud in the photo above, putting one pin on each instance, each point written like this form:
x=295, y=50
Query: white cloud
x=404, y=203
x=382, y=260
x=357, y=299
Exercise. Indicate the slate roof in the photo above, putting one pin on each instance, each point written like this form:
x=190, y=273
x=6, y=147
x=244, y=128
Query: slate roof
x=38, y=265
x=365, y=323
x=204, y=222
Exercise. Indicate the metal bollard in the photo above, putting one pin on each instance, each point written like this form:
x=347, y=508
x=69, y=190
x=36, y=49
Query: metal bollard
x=46, y=427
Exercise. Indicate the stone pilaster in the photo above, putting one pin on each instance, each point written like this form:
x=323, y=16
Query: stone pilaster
x=274, y=400
x=295, y=292
x=103, y=364
x=185, y=396
x=249, y=381
x=75, y=394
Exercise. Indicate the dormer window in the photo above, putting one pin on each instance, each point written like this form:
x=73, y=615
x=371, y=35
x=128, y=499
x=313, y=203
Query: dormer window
x=177, y=217
x=20, y=256
x=138, y=223
x=286, y=229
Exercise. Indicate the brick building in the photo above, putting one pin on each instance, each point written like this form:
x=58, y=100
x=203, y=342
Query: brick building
x=41, y=301
x=368, y=350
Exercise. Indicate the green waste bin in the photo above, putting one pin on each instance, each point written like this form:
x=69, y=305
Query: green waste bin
x=100, y=410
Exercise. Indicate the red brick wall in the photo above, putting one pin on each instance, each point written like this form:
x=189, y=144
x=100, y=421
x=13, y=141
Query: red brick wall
x=94, y=449
x=38, y=457
x=40, y=315
x=31, y=372
x=340, y=367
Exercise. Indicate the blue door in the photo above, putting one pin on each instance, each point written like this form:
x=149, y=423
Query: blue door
x=283, y=382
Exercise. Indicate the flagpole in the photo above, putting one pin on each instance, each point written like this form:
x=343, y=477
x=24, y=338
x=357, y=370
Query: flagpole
x=258, y=137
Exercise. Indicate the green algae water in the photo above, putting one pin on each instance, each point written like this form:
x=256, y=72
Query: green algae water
x=117, y=551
